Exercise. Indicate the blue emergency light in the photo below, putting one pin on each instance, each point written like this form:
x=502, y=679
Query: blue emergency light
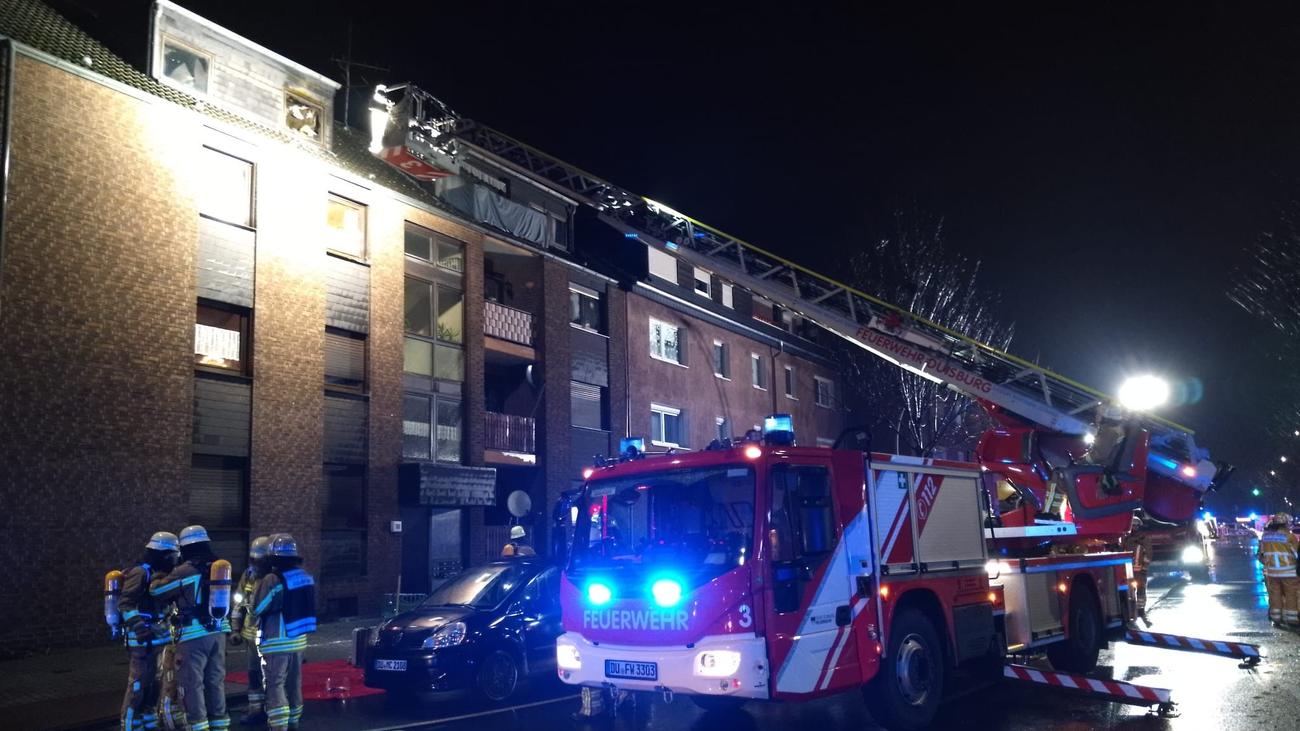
x=779, y=429
x=599, y=594
x=631, y=446
x=666, y=592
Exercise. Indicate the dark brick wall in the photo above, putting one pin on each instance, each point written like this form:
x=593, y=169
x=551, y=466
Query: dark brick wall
x=96, y=336
x=553, y=427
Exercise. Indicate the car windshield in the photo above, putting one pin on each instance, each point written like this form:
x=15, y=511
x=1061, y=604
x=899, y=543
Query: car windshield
x=699, y=520
x=481, y=588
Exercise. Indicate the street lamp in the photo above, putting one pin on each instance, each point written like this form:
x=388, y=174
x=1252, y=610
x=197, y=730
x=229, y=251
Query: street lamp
x=1283, y=458
x=1143, y=393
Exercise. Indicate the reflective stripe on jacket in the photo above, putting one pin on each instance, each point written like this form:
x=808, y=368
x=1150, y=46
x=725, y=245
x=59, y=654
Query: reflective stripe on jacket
x=140, y=615
x=184, y=586
x=269, y=608
x=1277, y=550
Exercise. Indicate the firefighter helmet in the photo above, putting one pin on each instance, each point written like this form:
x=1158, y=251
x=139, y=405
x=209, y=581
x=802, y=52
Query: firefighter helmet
x=260, y=547
x=517, y=533
x=283, y=545
x=194, y=534
x=1282, y=519
x=163, y=541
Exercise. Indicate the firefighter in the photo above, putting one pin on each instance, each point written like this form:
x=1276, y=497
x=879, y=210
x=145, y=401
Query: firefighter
x=201, y=643
x=517, y=545
x=1140, y=544
x=1277, y=551
x=146, y=633
x=285, y=606
x=243, y=624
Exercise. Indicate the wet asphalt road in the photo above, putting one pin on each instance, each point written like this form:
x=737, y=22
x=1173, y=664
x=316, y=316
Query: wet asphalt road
x=1211, y=692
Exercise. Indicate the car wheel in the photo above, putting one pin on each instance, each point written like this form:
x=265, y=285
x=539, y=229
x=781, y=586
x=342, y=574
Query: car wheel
x=498, y=676
x=905, y=694
x=1078, y=652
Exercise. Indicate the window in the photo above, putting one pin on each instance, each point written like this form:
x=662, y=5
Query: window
x=763, y=309
x=703, y=282
x=662, y=265
x=345, y=226
x=185, y=68
x=801, y=529
x=666, y=342
x=431, y=427
x=218, y=500
x=302, y=116
x=227, y=190
x=667, y=426
x=586, y=309
x=724, y=429
x=824, y=391
x=345, y=360
x=221, y=338
x=721, y=359
x=436, y=352
x=588, y=406
x=726, y=295
x=343, y=521
x=757, y=371
x=560, y=232
x=790, y=383
x=433, y=247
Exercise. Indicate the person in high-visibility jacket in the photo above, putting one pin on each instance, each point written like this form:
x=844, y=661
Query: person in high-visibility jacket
x=285, y=605
x=243, y=624
x=202, y=642
x=145, y=631
x=1278, y=548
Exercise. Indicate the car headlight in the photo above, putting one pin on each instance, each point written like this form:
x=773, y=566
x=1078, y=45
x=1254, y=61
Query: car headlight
x=567, y=657
x=449, y=635
x=1193, y=554
x=717, y=663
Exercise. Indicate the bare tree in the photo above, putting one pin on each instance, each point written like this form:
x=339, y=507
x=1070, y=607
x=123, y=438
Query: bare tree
x=915, y=270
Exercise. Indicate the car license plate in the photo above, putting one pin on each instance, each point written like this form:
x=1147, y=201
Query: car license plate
x=631, y=670
x=399, y=665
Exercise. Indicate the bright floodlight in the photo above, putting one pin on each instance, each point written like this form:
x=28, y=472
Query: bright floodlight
x=1143, y=393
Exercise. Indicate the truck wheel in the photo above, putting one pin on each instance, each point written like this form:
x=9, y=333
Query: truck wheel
x=718, y=703
x=1078, y=652
x=905, y=694
x=498, y=676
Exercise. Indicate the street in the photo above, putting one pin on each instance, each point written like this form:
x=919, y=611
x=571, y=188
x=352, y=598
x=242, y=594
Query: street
x=1211, y=692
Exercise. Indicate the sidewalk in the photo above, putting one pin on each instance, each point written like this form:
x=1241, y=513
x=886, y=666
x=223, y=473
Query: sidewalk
x=78, y=688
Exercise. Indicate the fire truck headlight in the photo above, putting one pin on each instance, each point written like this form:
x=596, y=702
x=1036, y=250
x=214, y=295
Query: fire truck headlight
x=599, y=594
x=717, y=663
x=567, y=657
x=1193, y=554
x=667, y=592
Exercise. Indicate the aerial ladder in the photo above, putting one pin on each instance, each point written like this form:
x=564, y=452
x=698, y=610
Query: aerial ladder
x=1062, y=459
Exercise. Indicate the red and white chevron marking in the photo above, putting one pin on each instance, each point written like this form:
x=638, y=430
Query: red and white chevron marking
x=1191, y=644
x=1115, y=690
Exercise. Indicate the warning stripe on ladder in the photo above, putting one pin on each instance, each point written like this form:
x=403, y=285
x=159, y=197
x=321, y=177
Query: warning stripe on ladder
x=1191, y=644
x=1114, y=690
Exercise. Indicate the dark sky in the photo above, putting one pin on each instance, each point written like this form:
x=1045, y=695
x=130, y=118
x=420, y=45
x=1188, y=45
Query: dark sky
x=1107, y=164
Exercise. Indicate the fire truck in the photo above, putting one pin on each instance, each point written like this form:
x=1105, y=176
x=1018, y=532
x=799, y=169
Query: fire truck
x=760, y=569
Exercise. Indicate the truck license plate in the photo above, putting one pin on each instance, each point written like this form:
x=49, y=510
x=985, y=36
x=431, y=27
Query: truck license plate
x=390, y=665
x=631, y=670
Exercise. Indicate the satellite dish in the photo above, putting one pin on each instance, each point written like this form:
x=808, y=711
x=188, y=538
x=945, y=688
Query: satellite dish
x=519, y=503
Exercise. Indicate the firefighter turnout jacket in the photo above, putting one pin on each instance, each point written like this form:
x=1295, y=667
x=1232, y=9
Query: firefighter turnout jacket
x=243, y=620
x=285, y=607
x=187, y=586
x=141, y=615
x=1277, y=551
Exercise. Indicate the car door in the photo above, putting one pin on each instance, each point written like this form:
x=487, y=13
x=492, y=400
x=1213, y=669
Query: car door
x=541, y=617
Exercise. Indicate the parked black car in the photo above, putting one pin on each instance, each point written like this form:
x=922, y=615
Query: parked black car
x=483, y=631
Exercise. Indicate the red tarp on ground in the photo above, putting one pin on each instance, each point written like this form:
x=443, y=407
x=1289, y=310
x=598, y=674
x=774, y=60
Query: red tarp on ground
x=325, y=680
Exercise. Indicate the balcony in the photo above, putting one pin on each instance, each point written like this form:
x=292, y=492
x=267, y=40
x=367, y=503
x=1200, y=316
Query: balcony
x=509, y=333
x=510, y=439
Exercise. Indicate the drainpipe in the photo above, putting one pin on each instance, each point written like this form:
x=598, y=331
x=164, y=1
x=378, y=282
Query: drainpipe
x=6, y=128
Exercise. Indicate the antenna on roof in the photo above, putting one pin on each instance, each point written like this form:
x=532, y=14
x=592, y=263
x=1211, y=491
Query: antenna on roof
x=346, y=63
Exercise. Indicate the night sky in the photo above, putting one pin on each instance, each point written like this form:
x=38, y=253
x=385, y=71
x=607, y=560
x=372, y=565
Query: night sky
x=1107, y=165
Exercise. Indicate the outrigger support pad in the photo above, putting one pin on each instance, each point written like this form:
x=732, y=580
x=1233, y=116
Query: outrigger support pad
x=1246, y=652
x=1117, y=691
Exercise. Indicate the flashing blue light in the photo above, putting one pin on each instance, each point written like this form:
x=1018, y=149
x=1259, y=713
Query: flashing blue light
x=1253, y=516
x=667, y=592
x=1207, y=515
x=634, y=444
x=599, y=594
x=671, y=245
x=1171, y=464
x=630, y=235
x=779, y=429
x=699, y=234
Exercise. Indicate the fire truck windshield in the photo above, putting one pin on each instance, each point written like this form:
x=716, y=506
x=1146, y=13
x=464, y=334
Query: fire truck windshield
x=700, y=521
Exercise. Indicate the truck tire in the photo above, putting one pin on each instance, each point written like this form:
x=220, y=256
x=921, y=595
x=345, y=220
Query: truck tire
x=1078, y=652
x=904, y=695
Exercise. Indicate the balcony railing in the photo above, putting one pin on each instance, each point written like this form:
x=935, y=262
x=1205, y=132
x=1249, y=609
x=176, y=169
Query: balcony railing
x=507, y=323
x=510, y=433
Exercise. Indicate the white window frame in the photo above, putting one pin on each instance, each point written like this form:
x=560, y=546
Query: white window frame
x=718, y=423
x=791, y=385
x=830, y=391
x=754, y=374
x=726, y=354
x=661, y=264
x=726, y=296
x=658, y=412
x=705, y=277
x=681, y=351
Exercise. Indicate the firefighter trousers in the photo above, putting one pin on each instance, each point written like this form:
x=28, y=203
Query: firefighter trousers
x=1283, y=599
x=256, y=688
x=282, y=675
x=1140, y=591
x=202, y=678
x=140, y=706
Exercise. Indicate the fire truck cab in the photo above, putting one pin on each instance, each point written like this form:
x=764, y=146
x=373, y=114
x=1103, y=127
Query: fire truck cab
x=761, y=570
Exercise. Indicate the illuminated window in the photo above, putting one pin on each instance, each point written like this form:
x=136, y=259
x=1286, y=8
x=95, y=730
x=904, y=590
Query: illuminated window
x=666, y=342
x=431, y=246
x=345, y=225
x=185, y=68
x=726, y=295
x=662, y=265
x=667, y=426
x=703, y=282
x=221, y=338
x=585, y=308
x=302, y=116
x=226, y=193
